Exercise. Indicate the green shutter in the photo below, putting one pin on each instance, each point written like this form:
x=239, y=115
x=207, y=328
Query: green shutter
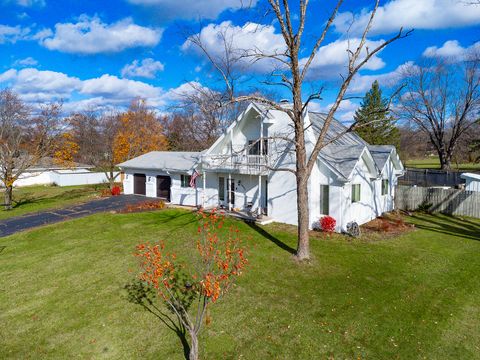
x=324, y=199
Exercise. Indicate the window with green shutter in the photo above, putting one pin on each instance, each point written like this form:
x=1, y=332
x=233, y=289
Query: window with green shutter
x=356, y=193
x=185, y=181
x=324, y=199
x=384, y=186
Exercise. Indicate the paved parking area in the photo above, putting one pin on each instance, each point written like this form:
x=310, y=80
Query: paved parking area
x=13, y=225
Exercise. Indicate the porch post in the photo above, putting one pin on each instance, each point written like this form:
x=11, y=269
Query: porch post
x=229, y=191
x=259, y=195
x=204, y=186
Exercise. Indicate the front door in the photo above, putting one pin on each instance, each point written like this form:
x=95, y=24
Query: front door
x=139, y=184
x=221, y=191
x=231, y=192
x=163, y=187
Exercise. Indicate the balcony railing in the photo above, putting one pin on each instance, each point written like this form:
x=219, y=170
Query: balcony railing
x=244, y=164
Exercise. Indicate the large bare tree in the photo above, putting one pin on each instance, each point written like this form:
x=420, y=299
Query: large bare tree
x=25, y=138
x=442, y=99
x=292, y=70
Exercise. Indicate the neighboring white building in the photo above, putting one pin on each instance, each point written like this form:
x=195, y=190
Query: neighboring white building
x=48, y=172
x=242, y=170
x=472, y=181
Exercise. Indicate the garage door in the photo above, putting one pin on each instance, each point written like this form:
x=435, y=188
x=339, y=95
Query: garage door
x=163, y=187
x=139, y=186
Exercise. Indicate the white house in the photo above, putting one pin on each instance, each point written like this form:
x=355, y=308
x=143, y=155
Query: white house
x=472, y=181
x=245, y=170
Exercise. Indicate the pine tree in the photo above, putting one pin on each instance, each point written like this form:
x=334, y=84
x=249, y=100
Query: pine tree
x=375, y=124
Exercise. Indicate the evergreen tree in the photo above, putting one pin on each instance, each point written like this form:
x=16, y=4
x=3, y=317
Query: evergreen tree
x=374, y=122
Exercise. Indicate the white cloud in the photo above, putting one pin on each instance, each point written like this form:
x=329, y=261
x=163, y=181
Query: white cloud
x=11, y=34
x=362, y=83
x=418, y=14
x=194, y=9
x=332, y=59
x=29, y=61
x=329, y=62
x=345, y=111
x=91, y=36
x=30, y=3
x=450, y=49
x=242, y=39
x=148, y=68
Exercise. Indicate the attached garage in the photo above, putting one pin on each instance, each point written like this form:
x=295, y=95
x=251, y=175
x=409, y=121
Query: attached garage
x=139, y=184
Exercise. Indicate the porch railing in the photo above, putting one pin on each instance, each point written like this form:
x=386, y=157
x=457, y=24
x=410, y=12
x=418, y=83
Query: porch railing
x=240, y=163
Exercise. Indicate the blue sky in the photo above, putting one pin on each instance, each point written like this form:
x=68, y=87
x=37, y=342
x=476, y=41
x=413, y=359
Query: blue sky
x=104, y=53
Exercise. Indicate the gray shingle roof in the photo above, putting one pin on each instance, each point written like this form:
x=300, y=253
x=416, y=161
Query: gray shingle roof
x=380, y=154
x=181, y=161
x=335, y=128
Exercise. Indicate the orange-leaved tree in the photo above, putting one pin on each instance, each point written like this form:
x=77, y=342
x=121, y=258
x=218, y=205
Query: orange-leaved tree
x=66, y=149
x=220, y=259
x=139, y=132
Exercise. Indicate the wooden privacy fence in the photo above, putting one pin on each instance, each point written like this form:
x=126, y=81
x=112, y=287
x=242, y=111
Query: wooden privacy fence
x=447, y=201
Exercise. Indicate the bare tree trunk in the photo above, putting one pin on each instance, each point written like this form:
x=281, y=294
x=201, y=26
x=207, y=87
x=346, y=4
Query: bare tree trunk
x=8, y=197
x=303, y=247
x=111, y=179
x=193, y=346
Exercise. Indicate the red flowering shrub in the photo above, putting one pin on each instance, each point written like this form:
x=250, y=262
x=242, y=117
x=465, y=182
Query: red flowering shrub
x=116, y=190
x=327, y=224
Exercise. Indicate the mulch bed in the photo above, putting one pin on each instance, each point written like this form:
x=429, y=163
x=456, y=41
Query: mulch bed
x=386, y=226
x=143, y=206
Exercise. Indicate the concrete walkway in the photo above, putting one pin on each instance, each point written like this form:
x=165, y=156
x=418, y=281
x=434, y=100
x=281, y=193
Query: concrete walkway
x=20, y=223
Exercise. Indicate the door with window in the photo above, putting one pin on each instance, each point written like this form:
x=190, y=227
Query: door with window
x=231, y=192
x=163, y=187
x=324, y=200
x=221, y=191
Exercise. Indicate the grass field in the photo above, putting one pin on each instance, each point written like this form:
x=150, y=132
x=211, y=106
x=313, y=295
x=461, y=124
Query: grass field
x=62, y=293
x=37, y=198
x=433, y=163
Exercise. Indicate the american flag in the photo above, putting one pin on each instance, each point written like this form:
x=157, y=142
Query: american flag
x=193, y=178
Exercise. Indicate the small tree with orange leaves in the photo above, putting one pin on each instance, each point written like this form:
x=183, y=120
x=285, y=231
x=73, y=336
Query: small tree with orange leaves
x=221, y=259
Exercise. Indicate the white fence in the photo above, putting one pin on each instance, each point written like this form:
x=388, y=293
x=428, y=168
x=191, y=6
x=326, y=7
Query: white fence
x=62, y=178
x=447, y=201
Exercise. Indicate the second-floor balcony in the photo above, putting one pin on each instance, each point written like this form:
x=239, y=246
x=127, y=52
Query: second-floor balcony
x=238, y=163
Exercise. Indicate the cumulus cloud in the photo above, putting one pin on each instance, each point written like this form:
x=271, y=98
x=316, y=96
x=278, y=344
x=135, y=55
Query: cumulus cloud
x=28, y=61
x=451, y=49
x=194, y=9
x=242, y=40
x=89, y=35
x=424, y=14
x=147, y=68
x=332, y=59
x=362, y=83
x=11, y=34
x=345, y=111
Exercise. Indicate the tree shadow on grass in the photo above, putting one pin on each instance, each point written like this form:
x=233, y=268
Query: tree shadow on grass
x=139, y=293
x=448, y=225
x=270, y=237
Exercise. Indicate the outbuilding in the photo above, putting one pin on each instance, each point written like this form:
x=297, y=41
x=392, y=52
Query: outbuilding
x=472, y=181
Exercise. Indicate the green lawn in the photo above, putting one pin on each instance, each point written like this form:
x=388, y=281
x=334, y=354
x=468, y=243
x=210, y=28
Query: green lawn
x=37, y=198
x=434, y=163
x=62, y=293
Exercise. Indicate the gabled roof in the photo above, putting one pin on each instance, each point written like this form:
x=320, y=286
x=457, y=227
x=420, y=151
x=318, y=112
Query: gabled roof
x=181, y=161
x=381, y=154
x=343, y=158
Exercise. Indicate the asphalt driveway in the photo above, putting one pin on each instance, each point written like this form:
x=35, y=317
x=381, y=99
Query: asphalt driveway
x=13, y=225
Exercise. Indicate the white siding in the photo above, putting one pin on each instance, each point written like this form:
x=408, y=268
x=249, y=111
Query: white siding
x=472, y=185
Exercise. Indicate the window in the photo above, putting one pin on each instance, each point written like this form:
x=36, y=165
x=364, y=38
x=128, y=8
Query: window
x=254, y=147
x=324, y=199
x=355, y=193
x=185, y=180
x=384, y=186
